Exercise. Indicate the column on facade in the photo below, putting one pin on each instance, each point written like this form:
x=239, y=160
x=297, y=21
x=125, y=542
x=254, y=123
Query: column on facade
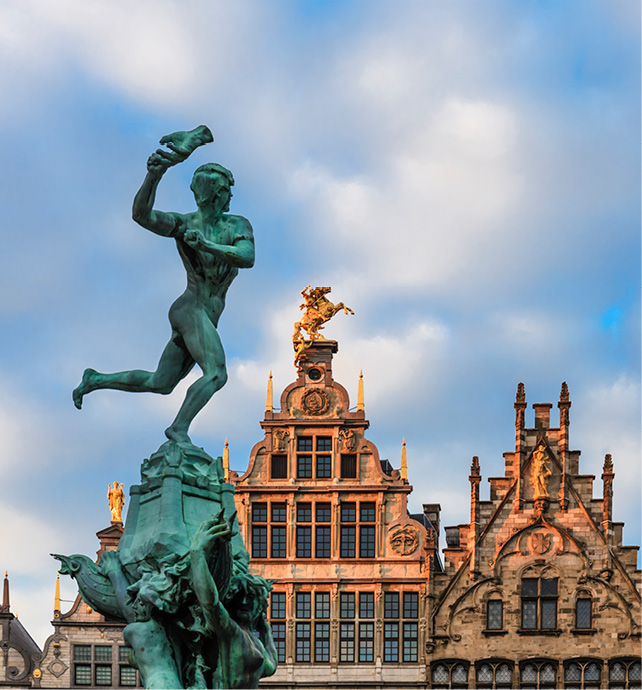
x=475, y=527
x=564, y=405
x=520, y=441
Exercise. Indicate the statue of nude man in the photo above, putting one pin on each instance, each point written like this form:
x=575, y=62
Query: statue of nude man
x=213, y=245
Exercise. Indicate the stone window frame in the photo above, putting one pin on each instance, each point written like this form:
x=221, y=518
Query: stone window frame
x=354, y=526
x=313, y=454
x=540, y=664
x=538, y=572
x=400, y=626
x=584, y=594
x=495, y=595
x=451, y=666
x=262, y=531
x=495, y=663
x=118, y=660
x=628, y=662
x=583, y=663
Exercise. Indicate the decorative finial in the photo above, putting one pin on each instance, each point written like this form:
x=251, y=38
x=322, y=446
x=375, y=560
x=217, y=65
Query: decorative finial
x=564, y=393
x=5, y=593
x=474, y=467
x=57, y=596
x=269, y=400
x=608, y=464
x=404, y=461
x=317, y=309
x=360, y=405
x=226, y=461
x=116, y=497
x=521, y=393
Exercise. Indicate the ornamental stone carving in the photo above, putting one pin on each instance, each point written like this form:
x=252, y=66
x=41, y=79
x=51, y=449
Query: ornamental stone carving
x=315, y=402
x=404, y=541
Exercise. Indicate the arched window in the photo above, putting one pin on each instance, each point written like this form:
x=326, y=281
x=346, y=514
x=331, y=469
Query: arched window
x=449, y=674
x=538, y=673
x=583, y=673
x=625, y=673
x=584, y=613
x=494, y=673
x=495, y=614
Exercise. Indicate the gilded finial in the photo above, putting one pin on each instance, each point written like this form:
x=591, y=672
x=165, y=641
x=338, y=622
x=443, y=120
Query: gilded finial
x=5, y=593
x=404, y=461
x=564, y=393
x=317, y=310
x=226, y=459
x=57, y=595
x=269, y=400
x=116, y=497
x=360, y=405
x=521, y=393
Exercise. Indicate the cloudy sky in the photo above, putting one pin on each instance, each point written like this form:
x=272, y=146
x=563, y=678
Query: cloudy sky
x=466, y=176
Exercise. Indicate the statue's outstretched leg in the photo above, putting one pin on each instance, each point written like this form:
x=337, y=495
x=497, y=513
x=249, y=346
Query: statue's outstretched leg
x=175, y=363
x=204, y=344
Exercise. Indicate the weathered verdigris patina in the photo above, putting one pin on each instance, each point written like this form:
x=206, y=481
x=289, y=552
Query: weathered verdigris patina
x=180, y=576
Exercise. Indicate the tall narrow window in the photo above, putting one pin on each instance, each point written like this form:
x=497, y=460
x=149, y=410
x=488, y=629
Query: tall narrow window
x=348, y=466
x=348, y=531
x=321, y=642
x=583, y=613
x=323, y=461
x=279, y=467
x=366, y=642
x=323, y=544
x=322, y=605
x=495, y=614
x=279, y=542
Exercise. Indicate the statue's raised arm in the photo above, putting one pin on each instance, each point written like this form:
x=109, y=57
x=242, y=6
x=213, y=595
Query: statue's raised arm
x=213, y=246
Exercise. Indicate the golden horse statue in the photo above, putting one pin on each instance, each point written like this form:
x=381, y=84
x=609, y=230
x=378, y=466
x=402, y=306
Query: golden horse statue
x=317, y=309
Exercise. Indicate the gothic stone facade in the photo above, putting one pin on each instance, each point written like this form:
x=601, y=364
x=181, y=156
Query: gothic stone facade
x=327, y=521
x=538, y=590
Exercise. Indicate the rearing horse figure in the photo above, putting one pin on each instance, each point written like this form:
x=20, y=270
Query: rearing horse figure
x=318, y=310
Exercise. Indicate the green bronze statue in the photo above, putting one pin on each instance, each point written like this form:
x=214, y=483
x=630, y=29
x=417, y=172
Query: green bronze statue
x=213, y=245
x=180, y=576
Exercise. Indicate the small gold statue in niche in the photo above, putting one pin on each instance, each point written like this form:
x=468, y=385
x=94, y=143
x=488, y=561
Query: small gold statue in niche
x=116, y=497
x=317, y=309
x=541, y=474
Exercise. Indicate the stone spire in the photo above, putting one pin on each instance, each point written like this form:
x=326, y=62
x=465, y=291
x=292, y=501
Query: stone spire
x=475, y=526
x=5, y=594
x=404, y=461
x=269, y=399
x=56, y=611
x=564, y=405
x=607, y=498
x=360, y=404
x=520, y=440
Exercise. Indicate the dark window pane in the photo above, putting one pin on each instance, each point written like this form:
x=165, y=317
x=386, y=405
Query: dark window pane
x=529, y=587
x=259, y=512
x=366, y=642
x=322, y=544
x=529, y=673
x=303, y=542
x=391, y=642
x=324, y=443
x=304, y=466
x=304, y=443
x=259, y=542
x=304, y=512
x=367, y=541
x=391, y=604
x=303, y=605
x=348, y=466
x=102, y=652
x=279, y=542
x=495, y=615
x=322, y=605
x=324, y=512
x=348, y=541
x=411, y=605
x=302, y=642
x=366, y=605
x=277, y=605
x=529, y=614
x=278, y=633
x=549, y=614
x=279, y=512
x=439, y=673
x=346, y=605
x=635, y=672
x=82, y=652
x=128, y=676
x=279, y=468
x=324, y=466
x=322, y=642
x=617, y=673
x=410, y=637
x=485, y=673
x=103, y=675
x=592, y=672
x=583, y=613
x=346, y=642
x=82, y=674
x=504, y=674
x=123, y=654
x=367, y=512
x=547, y=673
x=348, y=512
x=549, y=587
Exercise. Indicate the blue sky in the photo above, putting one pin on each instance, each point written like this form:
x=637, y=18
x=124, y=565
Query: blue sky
x=466, y=176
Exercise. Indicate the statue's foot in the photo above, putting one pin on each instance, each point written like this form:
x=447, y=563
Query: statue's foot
x=86, y=386
x=178, y=436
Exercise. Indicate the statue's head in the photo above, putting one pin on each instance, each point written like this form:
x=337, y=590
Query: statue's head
x=212, y=184
x=247, y=598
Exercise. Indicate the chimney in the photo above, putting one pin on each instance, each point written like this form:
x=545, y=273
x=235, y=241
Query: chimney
x=542, y=415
